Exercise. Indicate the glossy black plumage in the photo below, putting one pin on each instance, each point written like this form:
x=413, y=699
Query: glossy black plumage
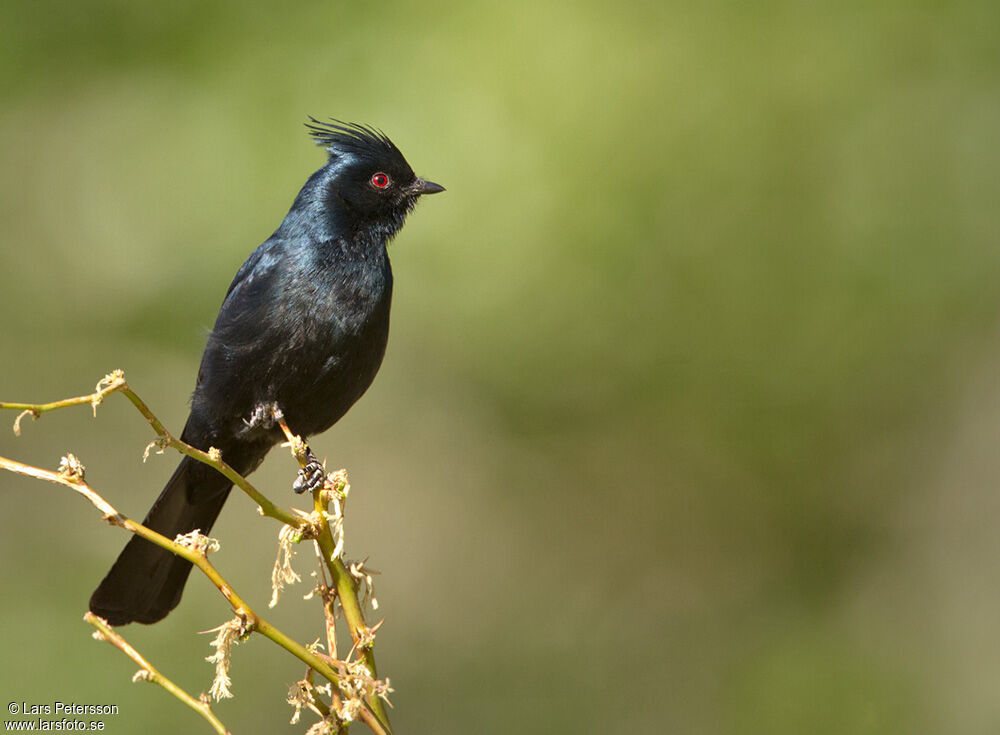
x=303, y=326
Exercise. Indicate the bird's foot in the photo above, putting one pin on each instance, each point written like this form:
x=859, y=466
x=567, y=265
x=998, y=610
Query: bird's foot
x=265, y=416
x=312, y=476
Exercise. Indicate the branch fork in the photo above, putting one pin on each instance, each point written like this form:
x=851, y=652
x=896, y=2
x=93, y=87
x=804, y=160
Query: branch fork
x=352, y=686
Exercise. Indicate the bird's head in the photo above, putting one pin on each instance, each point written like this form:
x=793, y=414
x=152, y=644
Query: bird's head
x=367, y=175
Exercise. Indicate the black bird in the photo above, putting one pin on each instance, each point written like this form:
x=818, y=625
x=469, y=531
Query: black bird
x=303, y=327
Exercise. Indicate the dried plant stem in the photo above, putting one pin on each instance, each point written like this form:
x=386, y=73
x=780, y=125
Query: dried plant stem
x=150, y=673
x=374, y=714
x=198, y=558
x=254, y=623
x=212, y=459
x=316, y=702
x=343, y=581
x=114, y=382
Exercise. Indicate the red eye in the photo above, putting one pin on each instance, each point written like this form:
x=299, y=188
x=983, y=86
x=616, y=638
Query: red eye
x=380, y=181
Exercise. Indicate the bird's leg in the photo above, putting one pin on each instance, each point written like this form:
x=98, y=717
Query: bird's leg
x=265, y=417
x=312, y=476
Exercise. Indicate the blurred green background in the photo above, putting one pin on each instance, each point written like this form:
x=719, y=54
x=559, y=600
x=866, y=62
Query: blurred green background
x=689, y=417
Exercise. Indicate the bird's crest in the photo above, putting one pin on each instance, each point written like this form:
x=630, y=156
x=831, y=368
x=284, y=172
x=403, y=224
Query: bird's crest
x=349, y=139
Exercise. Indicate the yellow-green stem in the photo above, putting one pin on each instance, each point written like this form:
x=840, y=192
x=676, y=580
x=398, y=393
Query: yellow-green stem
x=374, y=715
x=154, y=676
x=343, y=581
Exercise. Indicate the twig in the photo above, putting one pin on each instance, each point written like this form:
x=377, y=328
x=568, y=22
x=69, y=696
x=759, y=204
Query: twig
x=198, y=558
x=342, y=579
x=71, y=474
x=114, y=382
x=149, y=673
x=108, y=384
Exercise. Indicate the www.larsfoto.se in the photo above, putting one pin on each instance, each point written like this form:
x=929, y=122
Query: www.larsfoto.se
x=65, y=724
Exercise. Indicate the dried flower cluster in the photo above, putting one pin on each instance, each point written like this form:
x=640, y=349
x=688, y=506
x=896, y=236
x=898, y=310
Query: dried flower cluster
x=282, y=573
x=351, y=690
x=356, y=685
x=72, y=468
x=227, y=635
x=197, y=541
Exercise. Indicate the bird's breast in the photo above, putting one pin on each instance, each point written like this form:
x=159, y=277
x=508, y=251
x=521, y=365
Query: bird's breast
x=336, y=346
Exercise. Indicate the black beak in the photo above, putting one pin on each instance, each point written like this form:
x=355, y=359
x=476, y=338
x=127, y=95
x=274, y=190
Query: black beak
x=422, y=186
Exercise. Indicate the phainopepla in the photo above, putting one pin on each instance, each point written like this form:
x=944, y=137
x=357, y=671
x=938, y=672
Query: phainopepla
x=303, y=328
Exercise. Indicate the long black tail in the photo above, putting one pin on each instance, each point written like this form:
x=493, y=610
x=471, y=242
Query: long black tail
x=146, y=581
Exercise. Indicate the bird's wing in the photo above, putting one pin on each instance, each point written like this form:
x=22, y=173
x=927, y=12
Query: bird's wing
x=258, y=266
x=244, y=316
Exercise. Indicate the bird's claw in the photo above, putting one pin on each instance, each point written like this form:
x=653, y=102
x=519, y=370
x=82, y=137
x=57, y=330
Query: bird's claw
x=311, y=477
x=264, y=416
